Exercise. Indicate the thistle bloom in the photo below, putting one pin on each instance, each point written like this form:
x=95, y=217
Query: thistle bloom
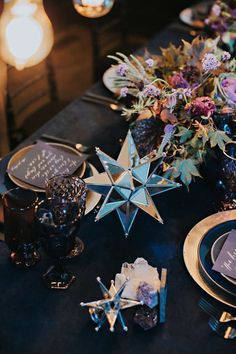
x=210, y=62
x=149, y=62
x=201, y=106
x=121, y=69
x=151, y=90
x=124, y=91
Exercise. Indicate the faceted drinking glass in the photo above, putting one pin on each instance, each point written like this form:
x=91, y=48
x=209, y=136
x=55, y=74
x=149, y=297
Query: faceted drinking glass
x=57, y=240
x=68, y=202
x=19, y=225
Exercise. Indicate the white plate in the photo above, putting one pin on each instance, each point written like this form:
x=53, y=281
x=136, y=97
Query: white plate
x=191, y=245
x=108, y=79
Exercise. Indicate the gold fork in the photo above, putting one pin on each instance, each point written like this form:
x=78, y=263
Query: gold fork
x=226, y=332
x=221, y=316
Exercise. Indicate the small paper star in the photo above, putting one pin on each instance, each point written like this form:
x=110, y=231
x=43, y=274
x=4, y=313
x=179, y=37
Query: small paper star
x=128, y=184
x=110, y=307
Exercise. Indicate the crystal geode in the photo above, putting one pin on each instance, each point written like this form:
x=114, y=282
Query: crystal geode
x=146, y=318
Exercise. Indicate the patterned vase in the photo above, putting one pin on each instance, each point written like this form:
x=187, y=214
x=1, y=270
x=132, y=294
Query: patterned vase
x=147, y=134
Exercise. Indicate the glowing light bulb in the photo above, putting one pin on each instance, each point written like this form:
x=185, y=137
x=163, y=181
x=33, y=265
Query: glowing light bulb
x=28, y=29
x=92, y=3
x=93, y=8
x=26, y=33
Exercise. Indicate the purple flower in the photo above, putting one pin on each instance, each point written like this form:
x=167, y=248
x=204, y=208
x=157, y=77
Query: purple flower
x=229, y=88
x=169, y=128
x=215, y=10
x=124, y=91
x=149, y=62
x=121, y=69
x=178, y=81
x=151, y=90
x=210, y=62
x=201, y=106
x=233, y=13
x=225, y=56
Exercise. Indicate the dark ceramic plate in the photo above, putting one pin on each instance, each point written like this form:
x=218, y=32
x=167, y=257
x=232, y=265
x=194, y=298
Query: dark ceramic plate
x=220, y=284
x=215, y=250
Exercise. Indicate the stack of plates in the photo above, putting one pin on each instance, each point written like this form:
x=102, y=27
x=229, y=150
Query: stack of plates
x=201, y=249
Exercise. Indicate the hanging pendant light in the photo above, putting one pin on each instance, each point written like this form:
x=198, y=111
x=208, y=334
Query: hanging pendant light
x=93, y=8
x=26, y=34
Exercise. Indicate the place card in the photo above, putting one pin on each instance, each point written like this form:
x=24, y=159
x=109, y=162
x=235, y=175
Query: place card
x=226, y=260
x=44, y=161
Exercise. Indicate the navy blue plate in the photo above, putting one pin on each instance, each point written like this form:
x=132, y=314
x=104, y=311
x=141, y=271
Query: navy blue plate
x=215, y=250
x=213, y=278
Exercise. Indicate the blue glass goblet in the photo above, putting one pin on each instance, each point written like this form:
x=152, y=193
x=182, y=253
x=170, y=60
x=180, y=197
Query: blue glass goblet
x=57, y=240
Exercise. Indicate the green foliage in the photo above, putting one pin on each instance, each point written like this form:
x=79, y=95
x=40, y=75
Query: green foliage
x=184, y=134
x=185, y=169
x=218, y=137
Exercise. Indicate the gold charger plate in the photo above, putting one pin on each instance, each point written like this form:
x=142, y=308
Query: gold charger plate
x=22, y=152
x=191, y=245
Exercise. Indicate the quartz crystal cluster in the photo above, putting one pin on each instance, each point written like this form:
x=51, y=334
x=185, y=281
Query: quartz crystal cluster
x=143, y=283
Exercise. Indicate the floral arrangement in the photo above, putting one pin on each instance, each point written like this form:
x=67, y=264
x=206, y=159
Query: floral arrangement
x=222, y=22
x=184, y=88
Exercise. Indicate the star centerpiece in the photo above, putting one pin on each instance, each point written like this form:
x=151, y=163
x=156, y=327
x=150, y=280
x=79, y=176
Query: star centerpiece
x=110, y=306
x=128, y=184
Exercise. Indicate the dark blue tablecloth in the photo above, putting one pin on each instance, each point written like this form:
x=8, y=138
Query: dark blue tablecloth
x=34, y=320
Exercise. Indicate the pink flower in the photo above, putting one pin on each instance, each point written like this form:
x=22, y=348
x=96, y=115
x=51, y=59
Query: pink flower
x=201, y=106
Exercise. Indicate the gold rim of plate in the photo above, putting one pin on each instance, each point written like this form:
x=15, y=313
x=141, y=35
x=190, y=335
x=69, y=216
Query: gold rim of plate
x=20, y=153
x=191, y=245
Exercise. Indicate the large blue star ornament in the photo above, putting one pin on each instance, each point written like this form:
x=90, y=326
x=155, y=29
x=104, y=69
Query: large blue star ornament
x=128, y=184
